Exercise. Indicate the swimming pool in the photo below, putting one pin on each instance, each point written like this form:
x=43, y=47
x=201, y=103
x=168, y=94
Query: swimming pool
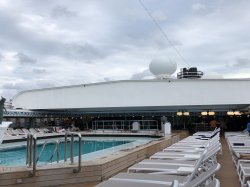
x=92, y=147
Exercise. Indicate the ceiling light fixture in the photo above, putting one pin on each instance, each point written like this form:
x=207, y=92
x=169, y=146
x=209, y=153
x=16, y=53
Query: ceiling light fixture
x=204, y=113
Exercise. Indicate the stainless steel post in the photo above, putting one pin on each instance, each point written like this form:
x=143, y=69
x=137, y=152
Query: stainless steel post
x=72, y=149
x=80, y=153
x=57, y=151
x=34, y=156
x=65, y=147
x=30, y=149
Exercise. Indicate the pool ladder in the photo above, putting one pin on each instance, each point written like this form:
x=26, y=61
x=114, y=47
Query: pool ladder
x=31, y=153
x=56, y=150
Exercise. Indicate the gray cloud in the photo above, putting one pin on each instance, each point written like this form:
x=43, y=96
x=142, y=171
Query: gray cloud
x=26, y=85
x=85, y=51
x=107, y=79
x=1, y=56
x=242, y=63
x=22, y=72
x=40, y=45
x=163, y=44
x=198, y=7
x=39, y=70
x=11, y=86
x=61, y=12
x=24, y=59
x=235, y=66
x=141, y=75
x=43, y=84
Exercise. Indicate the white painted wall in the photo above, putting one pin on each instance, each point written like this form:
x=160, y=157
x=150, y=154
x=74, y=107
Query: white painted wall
x=175, y=92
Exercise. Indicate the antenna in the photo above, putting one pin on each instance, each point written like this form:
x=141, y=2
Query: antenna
x=163, y=33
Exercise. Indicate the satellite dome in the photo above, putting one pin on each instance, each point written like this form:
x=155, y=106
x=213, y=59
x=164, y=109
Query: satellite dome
x=162, y=68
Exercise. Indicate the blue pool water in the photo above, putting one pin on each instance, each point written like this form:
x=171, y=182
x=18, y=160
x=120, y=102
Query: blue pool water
x=17, y=156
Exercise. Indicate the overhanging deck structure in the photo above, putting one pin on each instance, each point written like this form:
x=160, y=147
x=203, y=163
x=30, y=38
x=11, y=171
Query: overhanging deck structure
x=168, y=95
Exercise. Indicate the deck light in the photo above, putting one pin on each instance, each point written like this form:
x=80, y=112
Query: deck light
x=186, y=113
x=204, y=113
x=211, y=113
x=237, y=113
x=230, y=113
x=179, y=113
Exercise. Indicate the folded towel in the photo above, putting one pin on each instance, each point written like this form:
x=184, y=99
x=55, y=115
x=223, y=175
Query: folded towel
x=238, y=144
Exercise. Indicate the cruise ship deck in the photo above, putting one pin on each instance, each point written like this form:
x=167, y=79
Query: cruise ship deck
x=48, y=175
x=227, y=174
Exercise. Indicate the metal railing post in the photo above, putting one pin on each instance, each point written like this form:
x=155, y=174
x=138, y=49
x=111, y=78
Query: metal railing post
x=28, y=149
x=57, y=151
x=65, y=147
x=80, y=153
x=72, y=149
x=34, y=155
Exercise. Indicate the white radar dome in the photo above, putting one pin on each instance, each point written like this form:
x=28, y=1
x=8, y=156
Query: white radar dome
x=162, y=68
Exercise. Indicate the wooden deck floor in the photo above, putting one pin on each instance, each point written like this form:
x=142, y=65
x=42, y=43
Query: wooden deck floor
x=227, y=175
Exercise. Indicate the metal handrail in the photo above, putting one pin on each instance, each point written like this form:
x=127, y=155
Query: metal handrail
x=44, y=144
x=32, y=159
x=31, y=148
x=72, y=149
x=28, y=150
x=34, y=154
x=56, y=151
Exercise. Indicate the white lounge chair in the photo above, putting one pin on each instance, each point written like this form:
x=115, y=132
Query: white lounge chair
x=190, y=141
x=248, y=183
x=184, y=151
x=26, y=131
x=207, y=133
x=245, y=173
x=242, y=164
x=243, y=169
x=160, y=155
x=159, y=180
x=33, y=131
x=209, y=159
x=164, y=168
x=21, y=132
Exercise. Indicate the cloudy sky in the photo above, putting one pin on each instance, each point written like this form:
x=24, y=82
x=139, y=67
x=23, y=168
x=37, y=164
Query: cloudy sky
x=46, y=43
